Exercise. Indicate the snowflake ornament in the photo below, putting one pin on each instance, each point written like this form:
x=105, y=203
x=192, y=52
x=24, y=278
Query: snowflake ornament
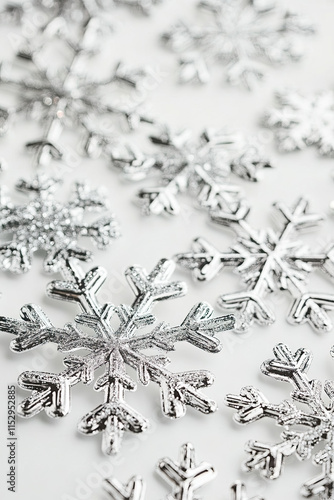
x=268, y=261
x=245, y=35
x=68, y=98
x=44, y=223
x=301, y=120
x=306, y=434
x=46, y=16
x=199, y=167
x=113, y=348
x=185, y=477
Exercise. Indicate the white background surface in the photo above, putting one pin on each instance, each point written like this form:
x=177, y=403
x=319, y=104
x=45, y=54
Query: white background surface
x=54, y=460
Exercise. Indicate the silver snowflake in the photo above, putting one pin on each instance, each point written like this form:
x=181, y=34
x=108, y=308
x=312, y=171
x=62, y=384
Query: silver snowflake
x=46, y=14
x=115, y=347
x=185, y=477
x=268, y=261
x=304, y=431
x=300, y=120
x=243, y=35
x=68, y=98
x=44, y=223
x=201, y=168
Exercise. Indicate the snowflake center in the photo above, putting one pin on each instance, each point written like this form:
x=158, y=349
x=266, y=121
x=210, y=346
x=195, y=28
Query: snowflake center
x=45, y=219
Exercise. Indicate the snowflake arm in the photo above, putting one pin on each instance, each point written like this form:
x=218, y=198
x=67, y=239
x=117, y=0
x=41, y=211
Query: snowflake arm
x=200, y=168
x=269, y=459
x=114, y=348
x=267, y=261
x=301, y=120
x=244, y=35
x=185, y=477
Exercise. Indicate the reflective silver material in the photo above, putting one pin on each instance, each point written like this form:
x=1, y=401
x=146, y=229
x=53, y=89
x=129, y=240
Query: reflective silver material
x=71, y=98
x=185, y=478
x=268, y=261
x=113, y=348
x=300, y=120
x=200, y=167
x=43, y=223
x=307, y=433
x=244, y=35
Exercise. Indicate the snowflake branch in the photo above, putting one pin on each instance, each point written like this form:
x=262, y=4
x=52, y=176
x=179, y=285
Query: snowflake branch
x=114, y=416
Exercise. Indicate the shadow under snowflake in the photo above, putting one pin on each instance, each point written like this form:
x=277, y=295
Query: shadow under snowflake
x=115, y=347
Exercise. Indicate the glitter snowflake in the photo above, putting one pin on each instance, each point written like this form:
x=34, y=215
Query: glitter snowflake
x=199, y=167
x=113, y=348
x=304, y=431
x=185, y=477
x=44, y=223
x=268, y=261
x=243, y=34
x=302, y=120
x=68, y=98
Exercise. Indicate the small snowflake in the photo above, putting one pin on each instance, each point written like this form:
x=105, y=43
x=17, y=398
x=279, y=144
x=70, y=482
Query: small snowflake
x=68, y=98
x=268, y=261
x=243, y=34
x=115, y=347
x=318, y=422
x=302, y=120
x=199, y=167
x=44, y=223
x=185, y=477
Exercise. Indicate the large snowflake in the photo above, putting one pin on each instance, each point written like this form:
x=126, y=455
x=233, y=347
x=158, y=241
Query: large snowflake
x=185, y=477
x=44, y=223
x=243, y=35
x=301, y=120
x=268, y=261
x=68, y=98
x=200, y=167
x=303, y=431
x=113, y=348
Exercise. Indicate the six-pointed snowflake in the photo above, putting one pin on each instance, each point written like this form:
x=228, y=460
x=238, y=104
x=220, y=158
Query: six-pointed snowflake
x=69, y=98
x=268, y=261
x=199, y=167
x=243, y=34
x=184, y=476
x=302, y=120
x=114, y=348
x=303, y=430
x=44, y=223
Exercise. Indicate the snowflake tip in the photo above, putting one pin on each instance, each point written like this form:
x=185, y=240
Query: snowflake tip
x=133, y=490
